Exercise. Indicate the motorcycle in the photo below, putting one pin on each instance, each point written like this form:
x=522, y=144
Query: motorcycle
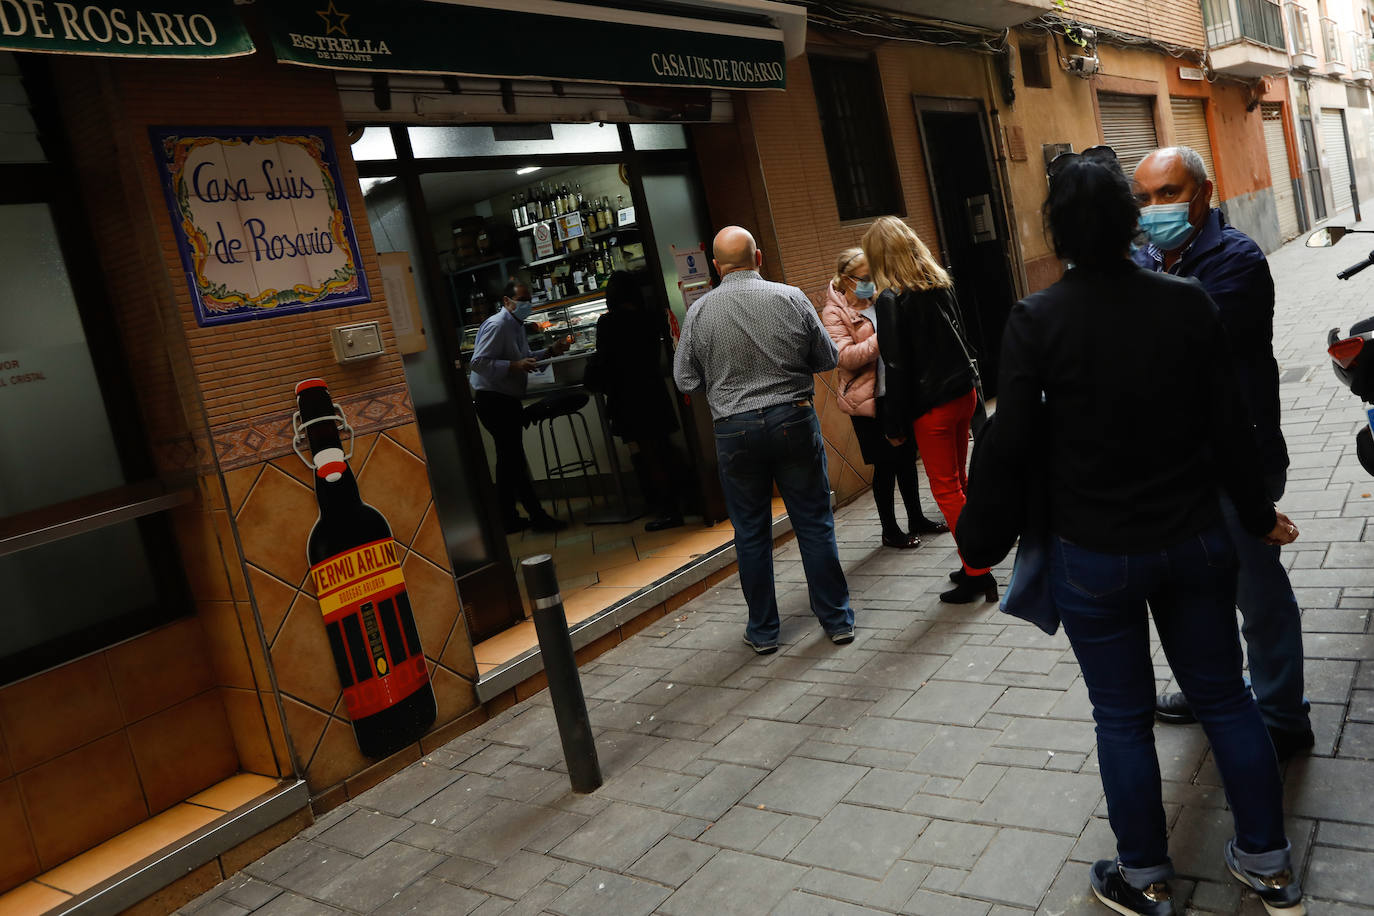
x=1346, y=350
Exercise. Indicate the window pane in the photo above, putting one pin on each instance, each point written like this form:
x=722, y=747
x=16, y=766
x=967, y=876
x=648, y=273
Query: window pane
x=46, y=374
x=857, y=143
x=375, y=143
x=440, y=142
x=658, y=136
x=74, y=596
x=18, y=135
x=83, y=593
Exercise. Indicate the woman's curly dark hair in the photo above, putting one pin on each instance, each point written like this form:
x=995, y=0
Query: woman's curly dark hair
x=1091, y=215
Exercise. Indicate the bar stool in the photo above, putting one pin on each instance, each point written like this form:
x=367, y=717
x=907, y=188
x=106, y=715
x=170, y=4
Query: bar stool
x=545, y=413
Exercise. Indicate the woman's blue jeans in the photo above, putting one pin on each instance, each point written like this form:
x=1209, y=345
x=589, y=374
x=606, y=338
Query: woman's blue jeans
x=1190, y=589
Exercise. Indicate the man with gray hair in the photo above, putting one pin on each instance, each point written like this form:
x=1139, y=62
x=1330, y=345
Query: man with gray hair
x=1190, y=238
x=755, y=347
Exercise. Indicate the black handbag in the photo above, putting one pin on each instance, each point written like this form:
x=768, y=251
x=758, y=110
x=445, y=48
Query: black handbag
x=1006, y=506
x=1028, y=594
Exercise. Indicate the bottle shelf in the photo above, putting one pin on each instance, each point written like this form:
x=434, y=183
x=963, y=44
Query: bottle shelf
x=551, y=259
x=482, y=265
x=599, y=234
x=607, y=233
x=576, y=299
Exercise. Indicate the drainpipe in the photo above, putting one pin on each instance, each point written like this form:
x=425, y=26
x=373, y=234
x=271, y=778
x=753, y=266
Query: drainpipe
x=1004, y=176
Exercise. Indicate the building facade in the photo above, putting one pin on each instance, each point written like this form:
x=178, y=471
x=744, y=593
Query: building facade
x=184, y=660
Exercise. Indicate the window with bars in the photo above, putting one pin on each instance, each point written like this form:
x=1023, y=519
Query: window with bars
x=858, y=144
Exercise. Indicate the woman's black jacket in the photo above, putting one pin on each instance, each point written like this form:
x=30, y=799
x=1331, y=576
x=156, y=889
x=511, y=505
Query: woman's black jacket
x=629, y=347
x=1140, y=426
x=925, y=358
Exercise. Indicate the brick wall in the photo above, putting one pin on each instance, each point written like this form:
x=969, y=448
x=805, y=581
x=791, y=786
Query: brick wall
x=1176, y=21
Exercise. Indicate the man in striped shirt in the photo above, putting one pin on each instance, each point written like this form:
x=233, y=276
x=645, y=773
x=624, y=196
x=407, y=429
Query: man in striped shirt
x=754, y=348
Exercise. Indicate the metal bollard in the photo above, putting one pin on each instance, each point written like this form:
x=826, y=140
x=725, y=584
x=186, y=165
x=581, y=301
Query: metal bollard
x=565, y=686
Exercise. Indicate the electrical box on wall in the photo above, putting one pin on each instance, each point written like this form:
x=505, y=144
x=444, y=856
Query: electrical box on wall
x=356, y=342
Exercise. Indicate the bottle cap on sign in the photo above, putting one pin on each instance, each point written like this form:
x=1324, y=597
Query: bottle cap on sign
x=330, y=464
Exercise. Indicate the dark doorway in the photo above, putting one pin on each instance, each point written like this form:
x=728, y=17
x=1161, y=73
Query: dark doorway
x=973, y=231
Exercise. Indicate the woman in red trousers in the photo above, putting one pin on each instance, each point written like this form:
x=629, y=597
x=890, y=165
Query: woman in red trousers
x=930, y=375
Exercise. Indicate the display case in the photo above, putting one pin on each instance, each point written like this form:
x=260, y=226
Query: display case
x=575, y=317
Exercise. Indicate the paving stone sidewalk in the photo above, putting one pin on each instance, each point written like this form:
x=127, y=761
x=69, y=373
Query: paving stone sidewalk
x=941, y=765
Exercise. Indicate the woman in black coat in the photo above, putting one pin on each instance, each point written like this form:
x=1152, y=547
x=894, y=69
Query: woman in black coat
x=929, y=374
x=628, y=371
x=1116, y=383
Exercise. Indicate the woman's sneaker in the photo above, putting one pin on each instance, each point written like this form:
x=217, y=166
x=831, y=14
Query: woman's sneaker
x=1112, y=888
x=1280, y=892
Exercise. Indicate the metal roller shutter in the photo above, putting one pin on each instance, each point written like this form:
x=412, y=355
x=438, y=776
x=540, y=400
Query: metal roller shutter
x=1337, y=158
x=1190, y=129
x=1128, y=126
x=1276, y=147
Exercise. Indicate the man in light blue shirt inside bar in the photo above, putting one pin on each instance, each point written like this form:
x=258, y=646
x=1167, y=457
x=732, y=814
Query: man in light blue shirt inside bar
x=501, y=363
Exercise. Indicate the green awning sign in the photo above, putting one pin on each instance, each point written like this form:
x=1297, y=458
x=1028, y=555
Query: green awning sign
x=120, y=29
x=560, y=41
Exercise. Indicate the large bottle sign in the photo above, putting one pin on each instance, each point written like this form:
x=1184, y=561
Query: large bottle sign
x=371, y=628
x=356, y=570
x=261, y=219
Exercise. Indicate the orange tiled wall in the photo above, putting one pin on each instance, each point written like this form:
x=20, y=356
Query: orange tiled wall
x=232, y=398
x=273, y=505
x=89, y=749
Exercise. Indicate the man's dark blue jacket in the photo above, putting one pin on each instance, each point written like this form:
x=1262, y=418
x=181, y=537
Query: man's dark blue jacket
x=1235, y=273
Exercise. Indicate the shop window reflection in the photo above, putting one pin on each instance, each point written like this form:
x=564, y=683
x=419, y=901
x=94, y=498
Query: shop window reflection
x=373, y=143
x=389, y=217
x=443, y=142
x=658, y=136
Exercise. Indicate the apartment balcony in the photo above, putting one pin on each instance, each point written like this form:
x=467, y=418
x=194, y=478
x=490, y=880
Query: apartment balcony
x=1359, y=61
x=1331, y=48
x=1245, y=37
x=991, y=14
x=1302, y=52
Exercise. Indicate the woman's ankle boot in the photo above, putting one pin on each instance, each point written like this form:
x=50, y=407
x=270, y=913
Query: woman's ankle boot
x=970, y=588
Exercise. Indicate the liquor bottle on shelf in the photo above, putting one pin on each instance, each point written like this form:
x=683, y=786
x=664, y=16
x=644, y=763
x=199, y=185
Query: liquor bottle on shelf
x=603, y=215
x=524, y=211
x=566, y=196
x=356, y=570
x=515, y=210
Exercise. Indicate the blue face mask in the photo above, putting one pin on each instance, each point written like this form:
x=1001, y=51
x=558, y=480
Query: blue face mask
x=1166, y=224
x=864, y=289
x=523, y=308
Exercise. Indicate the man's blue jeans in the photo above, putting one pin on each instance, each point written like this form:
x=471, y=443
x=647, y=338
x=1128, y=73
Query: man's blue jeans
x=1272, y=623
x=781, y=445
x=1190, y=591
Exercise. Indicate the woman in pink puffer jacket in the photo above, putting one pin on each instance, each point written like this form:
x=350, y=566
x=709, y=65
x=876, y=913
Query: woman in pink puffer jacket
x=849, y=318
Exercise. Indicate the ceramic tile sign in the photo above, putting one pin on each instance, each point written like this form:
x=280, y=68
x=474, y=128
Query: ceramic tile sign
x=261, y=221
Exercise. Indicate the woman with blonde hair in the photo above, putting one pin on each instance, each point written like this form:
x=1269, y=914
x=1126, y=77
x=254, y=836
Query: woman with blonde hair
x=850, y=320
x=929, y=374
